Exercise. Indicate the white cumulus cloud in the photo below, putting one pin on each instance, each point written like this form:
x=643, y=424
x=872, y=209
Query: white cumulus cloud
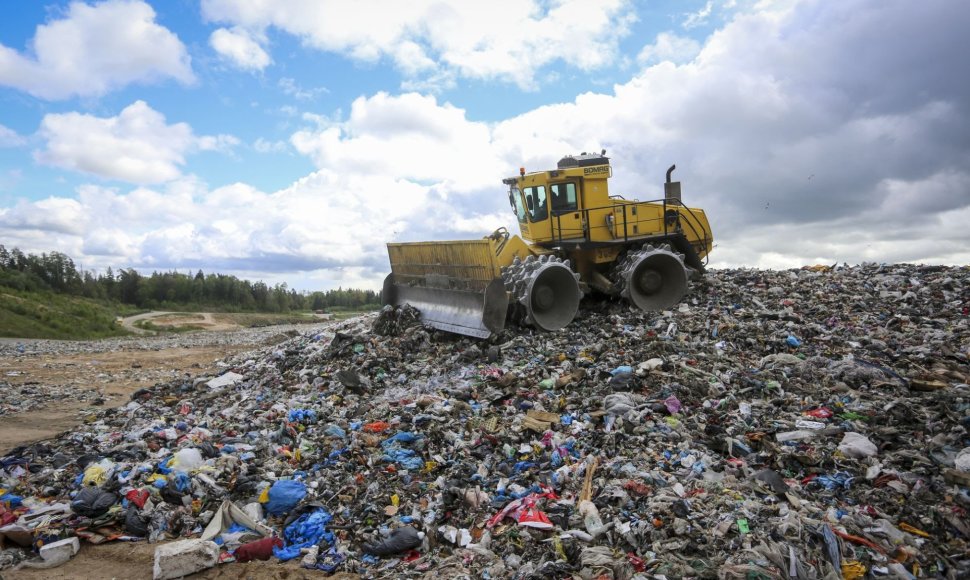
x=94, y=49
x=10, y=138
x=698, y=18
x=806, y=130
x=669, y=46
x=793, y=155
x=137, y=145
x=238, y=47
x=507, y=40
x=53, y=215
x=409, y=136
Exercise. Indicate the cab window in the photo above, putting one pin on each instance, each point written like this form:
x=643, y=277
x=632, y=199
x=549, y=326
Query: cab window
x=563, y=196
x=536, y=203
x=515, y=198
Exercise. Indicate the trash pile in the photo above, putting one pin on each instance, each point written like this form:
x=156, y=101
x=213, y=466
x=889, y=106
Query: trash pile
x=27, y=397
x=810, y=423
x=26, y=347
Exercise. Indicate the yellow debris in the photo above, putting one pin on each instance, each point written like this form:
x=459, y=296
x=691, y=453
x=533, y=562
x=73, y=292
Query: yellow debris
x=853, y=570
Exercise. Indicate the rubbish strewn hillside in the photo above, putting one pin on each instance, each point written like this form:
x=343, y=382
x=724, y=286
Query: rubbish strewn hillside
x=806, y=423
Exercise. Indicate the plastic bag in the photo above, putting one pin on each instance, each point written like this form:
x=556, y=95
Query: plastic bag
x=307, y=530
x=136, y=524
x=962, y=462
x=137, y=497
x=398, y=438
x=399, y=540
x=10, y=500
x=187, y=460
x=857, y=446
x=377, y=427
x=182, y=481
x=94, y=475
x=302, y=416
x=92, y=502
x=257, y=550
x=284, y=495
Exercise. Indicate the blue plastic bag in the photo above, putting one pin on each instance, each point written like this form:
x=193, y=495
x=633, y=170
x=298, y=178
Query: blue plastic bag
x=284, y=495
x=394, y=453
x=11, y=500
x=839, y=479
x=302, y=416
x=399, y=437
x=335, y=431
x=305, y=531
x=406, y=457
x=182, y=481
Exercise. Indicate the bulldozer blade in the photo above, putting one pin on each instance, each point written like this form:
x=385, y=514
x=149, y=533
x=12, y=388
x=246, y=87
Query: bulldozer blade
x=464, y=312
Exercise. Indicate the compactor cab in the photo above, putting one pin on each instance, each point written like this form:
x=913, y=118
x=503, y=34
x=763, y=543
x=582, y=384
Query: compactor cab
x=572, y=205
x=576, y=238
x=550, y=205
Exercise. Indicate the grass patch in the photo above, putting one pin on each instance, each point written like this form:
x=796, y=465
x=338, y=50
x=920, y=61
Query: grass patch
x=25, y=314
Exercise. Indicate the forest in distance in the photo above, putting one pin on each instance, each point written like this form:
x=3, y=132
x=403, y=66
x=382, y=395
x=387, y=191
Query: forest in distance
x=57, y=272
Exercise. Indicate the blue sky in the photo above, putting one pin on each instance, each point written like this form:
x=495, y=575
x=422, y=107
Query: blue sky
x=291, y=141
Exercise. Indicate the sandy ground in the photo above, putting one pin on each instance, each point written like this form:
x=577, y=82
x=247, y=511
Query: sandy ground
x=134, y=561
x=204, y=320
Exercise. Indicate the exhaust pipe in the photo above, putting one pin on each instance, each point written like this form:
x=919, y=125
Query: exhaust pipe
x=672, y=188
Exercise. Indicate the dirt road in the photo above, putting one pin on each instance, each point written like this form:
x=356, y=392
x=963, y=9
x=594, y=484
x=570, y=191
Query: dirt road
x=197, y=320
x=129, y=322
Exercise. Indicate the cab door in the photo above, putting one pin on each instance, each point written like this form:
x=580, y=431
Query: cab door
x=565, y=214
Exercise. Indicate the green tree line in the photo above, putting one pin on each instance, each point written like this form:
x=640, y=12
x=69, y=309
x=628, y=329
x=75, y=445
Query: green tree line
x=57, y=272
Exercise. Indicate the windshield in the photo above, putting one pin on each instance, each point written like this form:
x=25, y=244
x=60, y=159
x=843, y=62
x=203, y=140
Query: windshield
x=515, y=198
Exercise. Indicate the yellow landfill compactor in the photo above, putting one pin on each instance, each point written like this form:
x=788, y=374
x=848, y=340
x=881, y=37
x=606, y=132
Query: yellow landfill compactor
x=577, y=238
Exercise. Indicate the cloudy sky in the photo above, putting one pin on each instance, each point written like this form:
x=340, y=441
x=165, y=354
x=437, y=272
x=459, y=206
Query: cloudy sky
x=289, y=141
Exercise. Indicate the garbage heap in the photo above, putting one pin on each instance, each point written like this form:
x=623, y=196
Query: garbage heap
x=806, y=423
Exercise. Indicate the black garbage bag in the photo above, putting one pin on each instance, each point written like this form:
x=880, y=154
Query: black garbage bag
x=135, y=523
x=773, y=480
x=171, y=496
x=92, y=501
x=208, y=450
x=351, y=381
x=400, y=540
